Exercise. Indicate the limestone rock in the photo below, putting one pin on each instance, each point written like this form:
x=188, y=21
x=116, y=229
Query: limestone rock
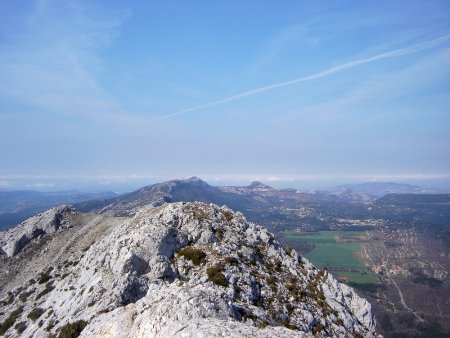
x=191, y=270
x=14, y=240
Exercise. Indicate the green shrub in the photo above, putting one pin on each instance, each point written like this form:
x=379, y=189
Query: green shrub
x=219, y=234
x=228, y=215
x=20, y=327
x=48, y=287
x=302, y=294
x=212, y=270
x=216, y=276
x=320, y=274
x=24, y=296
x=196, y=256
x=10, y=299
x=288, y=249
x=272, y=281
x=10, y=320
x=72, y=330
x=317, y=328
x=278, y=265
x=35, y=313
x=289, y=308
x=200, y=214
x=231, y=260
x=44, y=277
x=320, y=295
x=268, y=266
x=49, y=327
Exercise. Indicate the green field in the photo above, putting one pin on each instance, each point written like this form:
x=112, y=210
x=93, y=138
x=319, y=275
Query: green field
x=336, y=251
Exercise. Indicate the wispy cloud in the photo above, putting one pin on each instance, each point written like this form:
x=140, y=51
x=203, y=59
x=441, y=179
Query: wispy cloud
x=290, y=35
x=387, y=85
x=41, y=185
x=54, y=63
x=382, y=56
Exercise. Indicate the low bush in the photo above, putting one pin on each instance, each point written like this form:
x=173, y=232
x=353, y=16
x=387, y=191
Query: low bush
x=278, y=266
x=196, y=256
x=24, y=296
x=231, y=260
x=20, y=327
x=272, y=281
x=200, y=214
x=228, y=215
x=35, y=313
x=48, y=287
x=44, y=277
x=288, y=249
x=72, y=330
x=216, y=276
x=219, y=234
x=10, y=299
x=317, y=328
x=10, y=320
x=49, y=327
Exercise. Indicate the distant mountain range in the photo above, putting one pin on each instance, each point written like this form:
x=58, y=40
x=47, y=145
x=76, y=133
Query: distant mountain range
x=260, y=202
x=380, y=189
x=16, y=206
x=255, y=196
x=282, y=209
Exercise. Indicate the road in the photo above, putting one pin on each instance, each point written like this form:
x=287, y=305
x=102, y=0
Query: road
x=402, y=299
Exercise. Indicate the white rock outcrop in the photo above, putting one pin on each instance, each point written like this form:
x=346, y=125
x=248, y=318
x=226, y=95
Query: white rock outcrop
x=15, y=239
x=191, y=270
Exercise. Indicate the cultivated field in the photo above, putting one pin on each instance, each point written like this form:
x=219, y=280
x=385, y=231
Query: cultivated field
x=337, y=251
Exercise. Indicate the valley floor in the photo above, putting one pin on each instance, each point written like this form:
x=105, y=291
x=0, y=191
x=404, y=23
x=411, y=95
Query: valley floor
x=403, y=272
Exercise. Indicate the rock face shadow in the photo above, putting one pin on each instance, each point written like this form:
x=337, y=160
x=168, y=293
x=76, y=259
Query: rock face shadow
x=135, y=289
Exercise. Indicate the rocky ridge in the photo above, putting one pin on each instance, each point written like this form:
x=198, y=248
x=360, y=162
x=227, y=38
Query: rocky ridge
x=254, y=186
x=183, y=269
x=255, y=196
x=14, y=240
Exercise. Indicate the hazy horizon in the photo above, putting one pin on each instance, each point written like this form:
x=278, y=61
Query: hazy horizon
x=298, y=94
x=127, y=184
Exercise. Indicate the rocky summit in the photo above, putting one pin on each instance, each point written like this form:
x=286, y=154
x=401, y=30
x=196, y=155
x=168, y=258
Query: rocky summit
x=177, y=270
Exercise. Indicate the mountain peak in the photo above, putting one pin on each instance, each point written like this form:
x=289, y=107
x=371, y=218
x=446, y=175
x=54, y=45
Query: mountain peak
x=192, y=179
x=259, y=185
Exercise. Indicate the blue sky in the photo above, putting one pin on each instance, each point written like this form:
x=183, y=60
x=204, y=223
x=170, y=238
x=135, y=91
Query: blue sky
x=225, y=90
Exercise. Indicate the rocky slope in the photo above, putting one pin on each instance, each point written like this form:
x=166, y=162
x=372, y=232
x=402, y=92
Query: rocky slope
x=178, y=270
x=48, y=222
x=17, y=206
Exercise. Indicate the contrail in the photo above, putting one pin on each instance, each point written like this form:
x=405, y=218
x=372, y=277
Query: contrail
x=387, y=55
